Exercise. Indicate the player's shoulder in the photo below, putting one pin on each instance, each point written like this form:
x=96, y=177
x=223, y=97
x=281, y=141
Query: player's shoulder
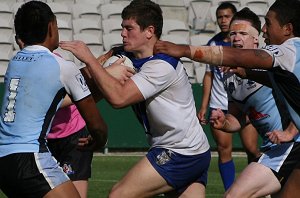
x=165, y=59
x=64, y=63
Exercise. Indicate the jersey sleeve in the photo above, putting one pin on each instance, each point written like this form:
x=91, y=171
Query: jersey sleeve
x=154, y=76
x=73, y=80
x=284, y=56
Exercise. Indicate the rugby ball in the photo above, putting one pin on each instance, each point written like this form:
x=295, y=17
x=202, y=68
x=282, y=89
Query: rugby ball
x=114, y=58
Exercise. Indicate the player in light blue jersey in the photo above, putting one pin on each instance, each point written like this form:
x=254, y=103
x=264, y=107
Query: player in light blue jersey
x=281, y=58
x=36, y=83
x=258, y=103
x=179, y=155
x=215, y=96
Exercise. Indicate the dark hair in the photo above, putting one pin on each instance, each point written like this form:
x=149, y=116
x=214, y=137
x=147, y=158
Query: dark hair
x=226, y=5
x=31, y=22
x=146, y=13
x=288, y=11
x=246, y=14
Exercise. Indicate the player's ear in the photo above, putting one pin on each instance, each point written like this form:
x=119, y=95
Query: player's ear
x=150, y=31
x=288, y=29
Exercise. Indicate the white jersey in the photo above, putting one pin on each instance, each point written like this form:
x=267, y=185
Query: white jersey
x=218, y=94
x=168, y=112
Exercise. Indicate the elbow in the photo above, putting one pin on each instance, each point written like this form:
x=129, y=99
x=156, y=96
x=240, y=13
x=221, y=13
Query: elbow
x=118, y=103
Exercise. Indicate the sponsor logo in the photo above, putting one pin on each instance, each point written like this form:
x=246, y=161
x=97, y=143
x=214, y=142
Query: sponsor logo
x=82, y=82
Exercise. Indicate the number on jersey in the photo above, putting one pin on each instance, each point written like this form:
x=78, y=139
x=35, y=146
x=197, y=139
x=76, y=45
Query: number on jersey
x=9, y=115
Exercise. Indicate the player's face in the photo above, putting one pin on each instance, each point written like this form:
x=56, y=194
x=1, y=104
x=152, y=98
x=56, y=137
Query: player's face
x=272, y=31
x=243, y=35
x=134, y=39
x=223, y=19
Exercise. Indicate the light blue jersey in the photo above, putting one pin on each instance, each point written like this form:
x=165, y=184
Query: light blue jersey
x=35, y=83
x=258, y=103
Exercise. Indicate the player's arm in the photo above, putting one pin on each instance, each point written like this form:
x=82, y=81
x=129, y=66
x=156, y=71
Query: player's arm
x=207, y=84
x=117, y=94
x=287, y=135
x=119, y=72
x=94, y=121
x=218, y=55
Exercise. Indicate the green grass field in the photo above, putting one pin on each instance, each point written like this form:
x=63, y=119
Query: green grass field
x=108, y=169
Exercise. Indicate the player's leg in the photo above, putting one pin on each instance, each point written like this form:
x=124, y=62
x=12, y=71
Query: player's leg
x=225, y=163
x=249, y=138
x=34, y=175
x=256, y=180
x=163, y=171
x=195, y=190
x=291, y=188
x=141, y=181
x=268, y=174
x=82, y=187
x=64, y=190
x=75, y=162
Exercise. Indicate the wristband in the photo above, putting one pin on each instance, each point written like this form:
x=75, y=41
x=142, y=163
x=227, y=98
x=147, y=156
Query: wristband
x=207, y=54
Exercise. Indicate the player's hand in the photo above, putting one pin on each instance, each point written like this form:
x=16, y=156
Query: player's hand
x=171, y=49
x=278, y=137
x=120, y=72
x=202, y=117
x=87, y=143
x=217, y=119
x=79, y=49
x=239, y=71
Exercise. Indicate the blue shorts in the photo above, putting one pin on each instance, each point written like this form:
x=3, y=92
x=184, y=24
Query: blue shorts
x=180, y=170
x=30, y=174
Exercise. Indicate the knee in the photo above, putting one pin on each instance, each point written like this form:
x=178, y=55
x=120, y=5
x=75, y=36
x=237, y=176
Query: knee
x=117, y=191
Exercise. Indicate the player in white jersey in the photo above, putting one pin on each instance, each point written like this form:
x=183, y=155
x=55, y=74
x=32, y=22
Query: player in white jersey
x=161, y=94
x=36, y=82
x=281, y=58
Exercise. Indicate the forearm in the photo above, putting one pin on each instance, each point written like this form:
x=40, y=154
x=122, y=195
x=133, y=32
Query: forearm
x=292, y=130
x=109, y=86
x=207, y=84
x=232, y=57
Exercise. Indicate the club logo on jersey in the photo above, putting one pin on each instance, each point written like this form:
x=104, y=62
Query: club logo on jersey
x=275, y=50
x=82, y=82
x=67, y=168
x=164, y=157
x=255, y=115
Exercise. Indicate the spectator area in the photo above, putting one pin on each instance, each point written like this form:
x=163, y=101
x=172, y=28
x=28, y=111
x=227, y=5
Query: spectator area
x=98, y=23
